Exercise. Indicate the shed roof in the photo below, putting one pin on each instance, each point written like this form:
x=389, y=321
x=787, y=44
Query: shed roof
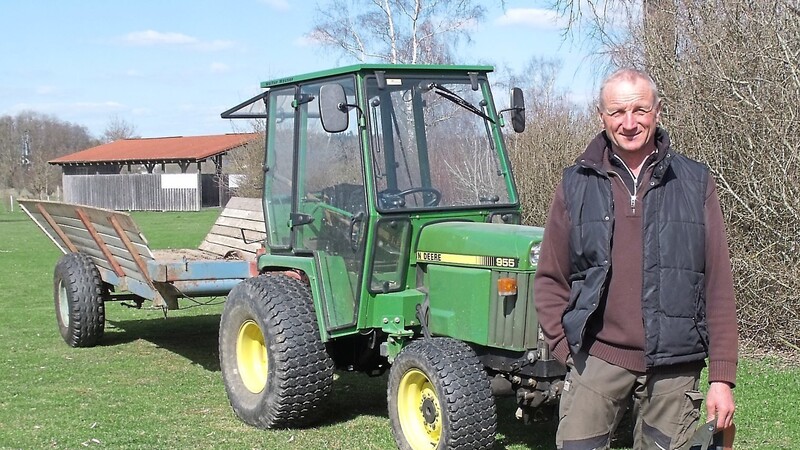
x=157, y=150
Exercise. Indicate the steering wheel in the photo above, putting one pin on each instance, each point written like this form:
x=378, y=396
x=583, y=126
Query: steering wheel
x=396, y=199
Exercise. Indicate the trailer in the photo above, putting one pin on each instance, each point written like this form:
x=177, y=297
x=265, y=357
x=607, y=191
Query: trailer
x=107, y=258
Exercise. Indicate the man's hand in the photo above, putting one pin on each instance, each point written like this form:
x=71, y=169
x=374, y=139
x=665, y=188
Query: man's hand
x=719, y=403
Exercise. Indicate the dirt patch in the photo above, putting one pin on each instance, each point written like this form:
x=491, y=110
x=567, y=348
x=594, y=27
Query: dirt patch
x=184, y=254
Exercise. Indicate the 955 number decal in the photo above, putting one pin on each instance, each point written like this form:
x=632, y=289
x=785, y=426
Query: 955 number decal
x=470, y=260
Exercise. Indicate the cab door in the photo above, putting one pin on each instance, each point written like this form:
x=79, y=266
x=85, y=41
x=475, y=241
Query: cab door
x=314, y=195
x=330, y=208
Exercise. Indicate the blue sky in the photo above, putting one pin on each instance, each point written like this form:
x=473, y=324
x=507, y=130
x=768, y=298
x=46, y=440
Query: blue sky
x=169, y=67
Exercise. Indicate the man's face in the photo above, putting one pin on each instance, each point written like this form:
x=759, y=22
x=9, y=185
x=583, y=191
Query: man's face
x=630, y=113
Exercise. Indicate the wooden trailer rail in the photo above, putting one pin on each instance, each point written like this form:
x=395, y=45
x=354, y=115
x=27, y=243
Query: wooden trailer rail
x=121, y=253
x=112, y=239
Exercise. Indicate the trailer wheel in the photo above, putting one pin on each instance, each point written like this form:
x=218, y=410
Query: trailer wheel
x=274, y=365
x=440, y=398
x=78, y=292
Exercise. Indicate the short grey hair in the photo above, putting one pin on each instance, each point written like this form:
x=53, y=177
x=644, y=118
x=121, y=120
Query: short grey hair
x=628, y=74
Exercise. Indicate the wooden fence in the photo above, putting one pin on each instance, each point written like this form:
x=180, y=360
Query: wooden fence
x=135, y=192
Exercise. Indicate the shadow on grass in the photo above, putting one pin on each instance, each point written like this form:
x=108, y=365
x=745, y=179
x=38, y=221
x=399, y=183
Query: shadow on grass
x=353, y=395
x=193, y=337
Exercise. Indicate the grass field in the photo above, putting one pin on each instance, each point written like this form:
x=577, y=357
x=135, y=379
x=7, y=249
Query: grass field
x=154, y=382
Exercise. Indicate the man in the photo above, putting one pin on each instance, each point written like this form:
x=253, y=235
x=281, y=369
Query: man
x=634, y=287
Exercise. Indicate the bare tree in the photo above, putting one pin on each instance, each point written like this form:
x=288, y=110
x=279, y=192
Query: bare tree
x=42, y=138
x=556, y=132
x=117, y=128
x=10, y=150
x=246, y=163
x=396, y=31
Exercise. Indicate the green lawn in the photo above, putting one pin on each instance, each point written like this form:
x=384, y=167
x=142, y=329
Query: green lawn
x=154, y=382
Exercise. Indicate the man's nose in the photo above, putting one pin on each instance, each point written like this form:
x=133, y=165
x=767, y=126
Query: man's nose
x=628, y=120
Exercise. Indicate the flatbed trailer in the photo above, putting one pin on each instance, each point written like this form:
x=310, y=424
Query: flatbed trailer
x=131, y=271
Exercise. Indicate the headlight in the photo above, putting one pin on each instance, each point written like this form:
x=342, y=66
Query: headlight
x=534, y=256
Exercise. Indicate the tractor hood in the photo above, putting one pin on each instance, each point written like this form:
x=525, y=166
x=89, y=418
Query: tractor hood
x=508, y=247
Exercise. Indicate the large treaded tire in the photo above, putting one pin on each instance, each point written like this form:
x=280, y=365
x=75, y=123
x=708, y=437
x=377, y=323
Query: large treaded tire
x=78, y=295
x=274, y=365
x=440, y=398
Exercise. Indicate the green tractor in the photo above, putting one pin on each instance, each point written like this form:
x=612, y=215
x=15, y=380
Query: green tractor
x=393, y=243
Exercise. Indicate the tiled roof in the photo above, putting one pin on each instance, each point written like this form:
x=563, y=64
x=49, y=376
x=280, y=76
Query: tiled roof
x=164, y=149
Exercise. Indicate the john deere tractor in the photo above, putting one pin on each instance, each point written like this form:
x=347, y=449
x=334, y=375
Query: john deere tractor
x=393, y=243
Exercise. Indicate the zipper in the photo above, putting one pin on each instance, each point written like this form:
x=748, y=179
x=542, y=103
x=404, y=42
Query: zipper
x=635, y=183
x=633, y=195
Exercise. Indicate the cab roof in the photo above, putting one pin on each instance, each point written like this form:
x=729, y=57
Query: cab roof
x=390, y=68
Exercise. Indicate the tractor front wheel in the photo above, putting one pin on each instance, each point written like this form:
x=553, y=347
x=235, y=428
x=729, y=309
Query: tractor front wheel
x=274, y=366
x=78, y=292
x=440, y=398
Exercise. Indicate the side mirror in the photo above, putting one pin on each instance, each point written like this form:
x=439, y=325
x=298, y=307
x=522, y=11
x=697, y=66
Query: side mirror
x=517, y=110
x=333, y=108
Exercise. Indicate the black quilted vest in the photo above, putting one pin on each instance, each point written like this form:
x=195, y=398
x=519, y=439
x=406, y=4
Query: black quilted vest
x=673, y=295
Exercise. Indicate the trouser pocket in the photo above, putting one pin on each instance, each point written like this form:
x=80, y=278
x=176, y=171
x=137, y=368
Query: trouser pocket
x=690, y=416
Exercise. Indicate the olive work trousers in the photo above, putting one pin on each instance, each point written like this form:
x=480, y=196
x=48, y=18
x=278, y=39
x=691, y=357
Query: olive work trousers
x=596, y=394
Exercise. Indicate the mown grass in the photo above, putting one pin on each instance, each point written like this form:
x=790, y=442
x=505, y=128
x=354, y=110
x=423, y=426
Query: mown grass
x=154, y=382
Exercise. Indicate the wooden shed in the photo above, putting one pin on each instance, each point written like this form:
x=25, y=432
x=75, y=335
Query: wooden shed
x=152, y=174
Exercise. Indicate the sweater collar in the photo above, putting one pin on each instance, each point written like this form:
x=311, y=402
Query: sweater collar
x=599, y=149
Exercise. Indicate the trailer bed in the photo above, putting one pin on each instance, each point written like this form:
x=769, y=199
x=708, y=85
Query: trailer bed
x=121, y=253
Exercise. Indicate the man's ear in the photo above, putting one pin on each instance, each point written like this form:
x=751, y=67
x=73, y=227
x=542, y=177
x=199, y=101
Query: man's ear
x=599, y=116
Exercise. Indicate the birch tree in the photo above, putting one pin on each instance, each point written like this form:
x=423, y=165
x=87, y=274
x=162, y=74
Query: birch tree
x=396, y=31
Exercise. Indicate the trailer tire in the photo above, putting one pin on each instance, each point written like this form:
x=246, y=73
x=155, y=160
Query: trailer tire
x=439, y=397
x=78, y=293
x=274, y=365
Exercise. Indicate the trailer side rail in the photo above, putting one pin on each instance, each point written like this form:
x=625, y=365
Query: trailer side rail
x=110, y=238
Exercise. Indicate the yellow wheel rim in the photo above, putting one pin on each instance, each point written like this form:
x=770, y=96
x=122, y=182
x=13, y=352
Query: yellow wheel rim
x=419, y=411
x=251, y=357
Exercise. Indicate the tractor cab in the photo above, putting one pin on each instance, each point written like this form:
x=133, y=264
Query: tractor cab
x=359, y=159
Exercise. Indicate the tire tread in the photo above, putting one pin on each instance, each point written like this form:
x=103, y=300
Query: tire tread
x=302, y=369
x=84, y=288
x=467, y=399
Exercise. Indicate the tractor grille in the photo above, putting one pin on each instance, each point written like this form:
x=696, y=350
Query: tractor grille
x=513, y=323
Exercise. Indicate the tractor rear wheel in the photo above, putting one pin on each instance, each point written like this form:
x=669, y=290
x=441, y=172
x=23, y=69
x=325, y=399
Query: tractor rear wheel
x=78, y=292
x=440, y=398
x=274, y=365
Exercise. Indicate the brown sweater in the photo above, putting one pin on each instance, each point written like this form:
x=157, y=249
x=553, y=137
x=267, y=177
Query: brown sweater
x=616, y=332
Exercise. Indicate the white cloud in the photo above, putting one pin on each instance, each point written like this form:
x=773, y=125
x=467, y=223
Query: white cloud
x=159, y=38
x=97, y=106
x=46, y=90
x=134, y=73
x=152, y=37
x=532, y=17
x=280, y=5
x=306, y=40
x=217, y=67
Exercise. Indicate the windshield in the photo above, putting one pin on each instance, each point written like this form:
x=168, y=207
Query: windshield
x=432, y=144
